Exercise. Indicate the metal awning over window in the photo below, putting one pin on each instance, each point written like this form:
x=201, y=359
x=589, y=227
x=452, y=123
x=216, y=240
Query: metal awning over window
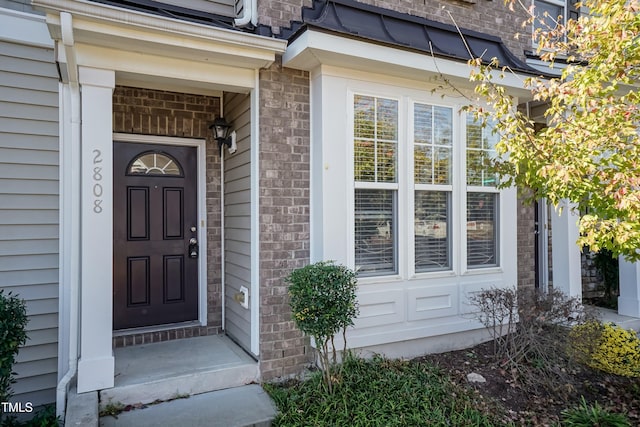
x=348, y=18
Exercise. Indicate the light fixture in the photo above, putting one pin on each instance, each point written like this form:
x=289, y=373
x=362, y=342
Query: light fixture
x=220, y=129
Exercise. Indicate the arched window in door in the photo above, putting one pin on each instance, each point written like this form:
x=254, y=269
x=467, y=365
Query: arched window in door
x=154, y=163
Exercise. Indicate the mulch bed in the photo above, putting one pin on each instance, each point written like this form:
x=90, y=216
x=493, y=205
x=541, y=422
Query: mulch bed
x=538, y=405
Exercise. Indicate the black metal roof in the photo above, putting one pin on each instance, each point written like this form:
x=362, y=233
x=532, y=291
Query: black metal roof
x=184, y=14
x=361, y=21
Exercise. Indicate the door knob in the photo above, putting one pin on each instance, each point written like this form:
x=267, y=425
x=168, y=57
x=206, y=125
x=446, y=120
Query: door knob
x=193, y=248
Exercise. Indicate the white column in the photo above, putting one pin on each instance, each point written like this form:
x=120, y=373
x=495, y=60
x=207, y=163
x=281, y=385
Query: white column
x=567, y=269
x=629, y=299
x=96, y=364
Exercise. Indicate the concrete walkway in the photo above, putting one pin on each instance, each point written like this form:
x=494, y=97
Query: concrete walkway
x=235, y=407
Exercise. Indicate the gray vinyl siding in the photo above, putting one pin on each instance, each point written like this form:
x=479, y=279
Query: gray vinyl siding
x=20, y=5
x=220, y=7
x=29, y=213
x=237, y=219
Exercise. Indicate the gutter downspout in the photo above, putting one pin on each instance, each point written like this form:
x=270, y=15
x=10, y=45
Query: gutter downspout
x=249, y=14
x=222, y=226
x=222, y=235
x=71, y=180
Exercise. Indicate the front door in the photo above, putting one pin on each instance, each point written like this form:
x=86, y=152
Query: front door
x=155, y=252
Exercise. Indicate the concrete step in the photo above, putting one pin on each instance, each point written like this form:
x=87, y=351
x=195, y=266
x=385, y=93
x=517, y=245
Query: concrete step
x=167, y=370
x=235, y=407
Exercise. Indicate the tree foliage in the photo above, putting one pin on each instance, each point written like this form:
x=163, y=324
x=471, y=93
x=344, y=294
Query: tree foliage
x=589, y=152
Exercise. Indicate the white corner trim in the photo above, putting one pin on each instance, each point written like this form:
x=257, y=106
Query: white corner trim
x=255, y=218
x=24, y=28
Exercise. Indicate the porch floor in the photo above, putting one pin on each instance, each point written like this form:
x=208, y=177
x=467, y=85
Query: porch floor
x=607, y=315
x=170, y=369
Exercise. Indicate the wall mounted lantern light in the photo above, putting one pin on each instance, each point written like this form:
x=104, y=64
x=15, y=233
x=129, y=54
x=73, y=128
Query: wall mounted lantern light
x=221, y=133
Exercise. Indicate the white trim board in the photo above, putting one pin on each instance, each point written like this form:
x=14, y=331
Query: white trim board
x=24, y=28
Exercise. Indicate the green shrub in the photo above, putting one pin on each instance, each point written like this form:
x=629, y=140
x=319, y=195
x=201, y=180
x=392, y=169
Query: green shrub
x=607, y=347
x=45, y=417
x=592, y=415
x=382, y=393
x=323, y=303
x=13, y=320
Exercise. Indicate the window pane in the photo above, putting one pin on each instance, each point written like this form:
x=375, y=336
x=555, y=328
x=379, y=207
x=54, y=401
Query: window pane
x=433, y=137
x=376, y=139
x=422, y=123
x=442, y=166
x=386, y=162
x=154, y=164
x=387, y=119
x=474, y=133
x=547, y=15
x=476, y=166
x=364, y=159
x=375, y=234
x=432, y=231
x=481, y=143
x=482, y=229
x=443, y=123
x=364, y=116
x=422, y=159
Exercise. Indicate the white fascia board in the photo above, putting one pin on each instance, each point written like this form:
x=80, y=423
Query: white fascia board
x=314, y=48
x=158, y=72
x=24, y=28
x=109, y=26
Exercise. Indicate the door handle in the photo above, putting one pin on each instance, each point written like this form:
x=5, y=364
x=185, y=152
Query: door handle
x=193, y=248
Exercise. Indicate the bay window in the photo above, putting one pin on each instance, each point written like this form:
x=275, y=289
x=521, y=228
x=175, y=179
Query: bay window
x=448, y=191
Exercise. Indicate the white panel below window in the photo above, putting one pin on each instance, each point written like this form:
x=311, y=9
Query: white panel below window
x=432, y=302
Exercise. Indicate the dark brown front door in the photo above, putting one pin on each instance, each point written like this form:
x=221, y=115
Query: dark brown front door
x=155, y=220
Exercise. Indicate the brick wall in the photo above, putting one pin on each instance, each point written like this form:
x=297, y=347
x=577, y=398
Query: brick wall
x=162, y=113
x=526, y=245
x=284, y=214
x=492, y=17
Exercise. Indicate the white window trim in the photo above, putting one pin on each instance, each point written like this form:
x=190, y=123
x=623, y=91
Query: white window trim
x=454, y=188
x=400, y=273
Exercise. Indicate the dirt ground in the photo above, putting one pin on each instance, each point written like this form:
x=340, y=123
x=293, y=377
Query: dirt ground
x=538, y=405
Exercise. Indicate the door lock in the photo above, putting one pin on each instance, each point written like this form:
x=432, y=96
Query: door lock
x=193, y=248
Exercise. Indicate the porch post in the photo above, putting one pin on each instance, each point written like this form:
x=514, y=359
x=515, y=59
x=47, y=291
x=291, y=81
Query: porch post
x=629, y=299
x=96, y=364
x=567, y=271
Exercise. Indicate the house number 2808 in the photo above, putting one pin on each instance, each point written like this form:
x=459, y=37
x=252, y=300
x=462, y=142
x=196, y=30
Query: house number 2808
x=97, y=178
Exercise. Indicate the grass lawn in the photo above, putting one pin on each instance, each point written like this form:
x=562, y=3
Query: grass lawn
x=380, y=392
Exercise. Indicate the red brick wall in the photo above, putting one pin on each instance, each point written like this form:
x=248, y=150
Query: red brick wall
x=162, y=113
x=284, y=214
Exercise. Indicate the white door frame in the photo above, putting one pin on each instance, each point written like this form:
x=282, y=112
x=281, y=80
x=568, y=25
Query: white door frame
x=200, y=144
